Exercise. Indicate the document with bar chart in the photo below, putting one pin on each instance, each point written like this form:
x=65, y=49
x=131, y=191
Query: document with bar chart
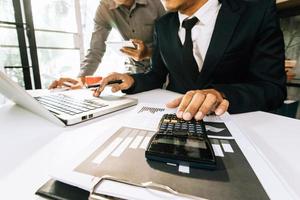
x=147, y=116
x=123, y=157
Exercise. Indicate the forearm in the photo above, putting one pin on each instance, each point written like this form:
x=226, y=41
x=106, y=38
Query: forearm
x=81, y=79
x=90, y=63
x=94, y=55
x=97, y=47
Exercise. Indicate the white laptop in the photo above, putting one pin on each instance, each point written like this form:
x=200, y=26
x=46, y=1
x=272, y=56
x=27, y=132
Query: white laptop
x=67, y=107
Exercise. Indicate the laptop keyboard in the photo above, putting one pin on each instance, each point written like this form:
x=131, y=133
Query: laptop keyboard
x=61, y=103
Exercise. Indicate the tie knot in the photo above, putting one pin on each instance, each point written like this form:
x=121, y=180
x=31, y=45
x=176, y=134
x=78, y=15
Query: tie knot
x=189, y=24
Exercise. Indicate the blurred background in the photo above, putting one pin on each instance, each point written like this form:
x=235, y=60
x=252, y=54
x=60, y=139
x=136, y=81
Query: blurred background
x=62, y=30
x=41, y=40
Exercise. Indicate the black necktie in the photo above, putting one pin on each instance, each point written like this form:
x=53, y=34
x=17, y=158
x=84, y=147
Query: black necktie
x=189, y=61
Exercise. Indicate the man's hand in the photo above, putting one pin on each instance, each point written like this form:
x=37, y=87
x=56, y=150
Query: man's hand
x=68, y=83
x=127, y=82
x=141, y=51
x=198, y=103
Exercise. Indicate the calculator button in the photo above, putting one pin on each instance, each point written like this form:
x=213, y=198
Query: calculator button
x=198, y=126
x=177, y=126
x=169, y=132
x=199, y=132
x=171, y=125
x=162, y=129
x=191, y=130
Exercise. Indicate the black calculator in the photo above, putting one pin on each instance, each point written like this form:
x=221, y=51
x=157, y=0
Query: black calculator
x=181, y=142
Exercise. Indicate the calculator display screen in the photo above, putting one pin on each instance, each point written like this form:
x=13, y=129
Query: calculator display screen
x=188, y=142
x=181, y=147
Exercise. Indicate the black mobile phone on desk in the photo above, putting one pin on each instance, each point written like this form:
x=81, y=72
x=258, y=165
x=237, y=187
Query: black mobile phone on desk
x=179, y=141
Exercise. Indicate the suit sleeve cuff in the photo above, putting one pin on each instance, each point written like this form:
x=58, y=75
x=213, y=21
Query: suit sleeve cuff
x=132, y=89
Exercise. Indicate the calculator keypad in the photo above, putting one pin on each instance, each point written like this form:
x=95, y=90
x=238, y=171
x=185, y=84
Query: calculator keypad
x=172, y=125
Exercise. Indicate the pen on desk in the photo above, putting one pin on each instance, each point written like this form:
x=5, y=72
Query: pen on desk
x=109, y=83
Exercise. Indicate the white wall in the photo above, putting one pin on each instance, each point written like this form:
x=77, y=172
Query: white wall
x=2, y=98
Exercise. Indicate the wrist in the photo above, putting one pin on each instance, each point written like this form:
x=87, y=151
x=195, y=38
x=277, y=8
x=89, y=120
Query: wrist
x=130, y=80
x=81, y=79
x=130, y=83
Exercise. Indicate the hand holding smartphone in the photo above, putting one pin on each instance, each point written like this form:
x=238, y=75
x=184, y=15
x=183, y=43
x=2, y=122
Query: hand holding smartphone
x=117, y=45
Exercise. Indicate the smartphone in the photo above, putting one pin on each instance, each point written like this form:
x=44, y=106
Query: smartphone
x=120, y=44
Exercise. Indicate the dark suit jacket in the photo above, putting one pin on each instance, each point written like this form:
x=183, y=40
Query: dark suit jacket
x=245, y=58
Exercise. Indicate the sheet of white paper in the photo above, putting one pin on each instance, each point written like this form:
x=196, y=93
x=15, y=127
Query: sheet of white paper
x=101, y=157
x=213, y=118
x=147, y=116
x=65, y=172
x=79, y=144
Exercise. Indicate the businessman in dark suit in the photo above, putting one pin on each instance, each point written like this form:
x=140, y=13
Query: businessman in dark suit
x=224, y=55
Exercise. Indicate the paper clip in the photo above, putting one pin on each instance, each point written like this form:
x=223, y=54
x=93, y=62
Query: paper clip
x=147, y=185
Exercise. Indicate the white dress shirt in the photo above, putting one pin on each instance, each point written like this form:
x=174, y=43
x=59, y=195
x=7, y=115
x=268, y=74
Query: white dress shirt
x=203, y=30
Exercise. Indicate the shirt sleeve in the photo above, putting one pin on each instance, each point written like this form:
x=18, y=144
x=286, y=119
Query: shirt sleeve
x=157, y=75
x=97, y=48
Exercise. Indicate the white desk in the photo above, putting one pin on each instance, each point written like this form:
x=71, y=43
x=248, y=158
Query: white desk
x=30, y=145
